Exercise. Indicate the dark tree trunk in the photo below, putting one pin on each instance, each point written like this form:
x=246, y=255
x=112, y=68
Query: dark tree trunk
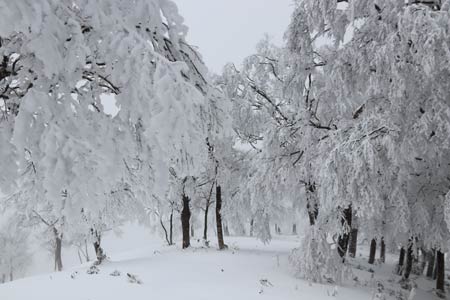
x=382, y=251
x=353, y=242
x=171, y=229
x=294, y=229
x=409, y=260
x=346, y=222
x=435, y=268
x=311, y=205
x=219, y=217
x=192, y=231
x=11, y=275
x=401, y=261
x=99, y=253
x=431, y=260
x=440, y=271
x=251, y=227
x=373, y=250
x=58, y=249
x=205, y=228
x=312, y=216
x=185, y=218
x=166, y=234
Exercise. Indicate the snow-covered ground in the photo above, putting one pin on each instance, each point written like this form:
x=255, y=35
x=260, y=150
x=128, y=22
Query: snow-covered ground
x=247, y=270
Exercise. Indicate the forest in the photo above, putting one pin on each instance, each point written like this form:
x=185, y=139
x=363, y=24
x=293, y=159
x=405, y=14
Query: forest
x=338, y=140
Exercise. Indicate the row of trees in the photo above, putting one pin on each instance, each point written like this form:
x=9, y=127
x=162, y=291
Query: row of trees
x=344, y=130
x=75, y=171
x=350, y=122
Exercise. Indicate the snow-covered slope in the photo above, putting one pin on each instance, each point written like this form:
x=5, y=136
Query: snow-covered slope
x=247, y=270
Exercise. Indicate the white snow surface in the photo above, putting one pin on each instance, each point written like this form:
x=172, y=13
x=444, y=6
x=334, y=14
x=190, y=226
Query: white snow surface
x=247, y=270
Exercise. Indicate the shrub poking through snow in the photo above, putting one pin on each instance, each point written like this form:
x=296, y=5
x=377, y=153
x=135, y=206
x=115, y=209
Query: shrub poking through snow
x=133, y=279
x=93, y=270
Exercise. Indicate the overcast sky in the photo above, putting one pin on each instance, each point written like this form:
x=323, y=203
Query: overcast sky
x=228, y=30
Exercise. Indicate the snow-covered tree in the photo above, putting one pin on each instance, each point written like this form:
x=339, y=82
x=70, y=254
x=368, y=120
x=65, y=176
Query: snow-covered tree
x=353, y=119
x=384, y=70
x=15, y=257
x=73, y=158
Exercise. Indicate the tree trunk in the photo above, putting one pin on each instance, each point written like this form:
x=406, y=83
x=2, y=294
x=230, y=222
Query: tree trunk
x=409, y=260
x=435, y=268
x=382, y=251
x=58, y=249
x=219, y=217
x=11, y=275
x=373, y=250
x=205, y=228
x=431, y=260
x=192, y=231
x=166, y=234
x=99, y=253
x=79, y=256
x=251, y=227
x=171, y=229
x=312, y=215
x=185, y=217
x=3, y=278
x=401, y=261
x=440, y=271
x=311, y=205
x=353, y=242
x=294, y=229
x=346, y=222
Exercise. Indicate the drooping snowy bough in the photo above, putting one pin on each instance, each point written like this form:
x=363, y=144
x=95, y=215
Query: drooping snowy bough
x=66, y=65
x=354, y=116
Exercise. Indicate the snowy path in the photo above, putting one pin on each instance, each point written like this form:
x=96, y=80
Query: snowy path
x=195, y=274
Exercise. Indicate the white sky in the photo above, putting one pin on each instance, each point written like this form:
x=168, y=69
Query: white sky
x=228, y=30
